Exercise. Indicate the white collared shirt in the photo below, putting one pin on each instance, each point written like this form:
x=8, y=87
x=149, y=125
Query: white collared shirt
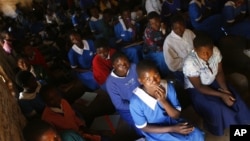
x=80, y=50
x=196, y=67
x=29, y=96
x=176, y=48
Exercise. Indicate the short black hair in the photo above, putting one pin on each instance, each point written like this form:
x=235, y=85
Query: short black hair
x=101, y=43
x=202, y=39
x=153, y=15
x=117, y=55
x=145, y=65
x=177, y=18
x=35, y=129
x=23, y=77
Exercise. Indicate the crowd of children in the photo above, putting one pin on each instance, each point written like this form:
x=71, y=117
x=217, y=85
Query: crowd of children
x=125, y=48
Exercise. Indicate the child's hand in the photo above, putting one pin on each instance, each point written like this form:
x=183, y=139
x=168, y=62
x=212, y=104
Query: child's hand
x=183, y=128
x=160, y=93
x=228, y=99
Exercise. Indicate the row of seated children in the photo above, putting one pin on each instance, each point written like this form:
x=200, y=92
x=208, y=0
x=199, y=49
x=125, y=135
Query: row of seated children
x=45, y=102
x=229, y=19
x=118, y=65
x=136, y=92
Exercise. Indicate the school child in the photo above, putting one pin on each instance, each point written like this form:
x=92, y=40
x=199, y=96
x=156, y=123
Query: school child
x=120, y=84
x=38, y=72
x=102, y=65
x=59, y=113
x=154, y=36
x=96, y=23
x=29, y=99
x=126, y=33
x=212, y=97
x=34, y=55
x=156, y=110
x=177, y=45
x=39, y=130
x=80, y=57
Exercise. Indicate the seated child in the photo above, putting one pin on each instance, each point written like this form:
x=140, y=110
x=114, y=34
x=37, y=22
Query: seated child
x=102, y=65
x=29, y=99
x=59, y=113
x=218, y=103
x=156, y=110
x=39, y=130
x=38, y=71
x=80, y=57
x=120, y=84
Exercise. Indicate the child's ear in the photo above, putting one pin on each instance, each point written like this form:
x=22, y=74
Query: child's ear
x=139, y=80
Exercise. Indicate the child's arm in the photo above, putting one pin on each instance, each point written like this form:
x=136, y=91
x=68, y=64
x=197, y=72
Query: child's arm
x=161, y=97
x=181, y=128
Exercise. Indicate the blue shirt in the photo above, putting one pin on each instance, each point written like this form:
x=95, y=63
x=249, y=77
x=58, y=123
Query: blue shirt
x=82, y=58
x=147, y=110
x=120, y=88
x=230, y=11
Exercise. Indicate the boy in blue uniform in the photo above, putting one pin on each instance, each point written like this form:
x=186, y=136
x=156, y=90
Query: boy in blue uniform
x=120, y=85
x=156, y=110
x=80, y=57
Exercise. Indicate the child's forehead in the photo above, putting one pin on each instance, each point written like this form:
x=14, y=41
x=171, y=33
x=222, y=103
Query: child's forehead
x=148, y=72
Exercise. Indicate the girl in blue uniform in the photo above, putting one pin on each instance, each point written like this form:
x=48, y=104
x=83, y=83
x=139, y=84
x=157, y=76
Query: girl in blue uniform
x=156, y=110
x=126, y=32
x=234, y=13
x=213, y=99
x=80, y=57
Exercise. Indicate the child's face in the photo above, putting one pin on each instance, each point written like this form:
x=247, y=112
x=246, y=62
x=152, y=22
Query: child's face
x=204, y=52
x=50, y=135
x=53, y=99
x=23, y=64
x=149, y=79
x=178, y=28
x=155, y=23
x=121, y=66
x=102, y=52
x=126, y=15
x=75, y=39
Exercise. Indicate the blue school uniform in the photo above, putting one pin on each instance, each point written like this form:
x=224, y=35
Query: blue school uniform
x=30, y=102
x=216, y=114
x=82, y=58
x=120, y=91
x=97, y=26
x=147, y=110
x=134, y=53
x=211, y=25
x=170, y=8
x=230, y=12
